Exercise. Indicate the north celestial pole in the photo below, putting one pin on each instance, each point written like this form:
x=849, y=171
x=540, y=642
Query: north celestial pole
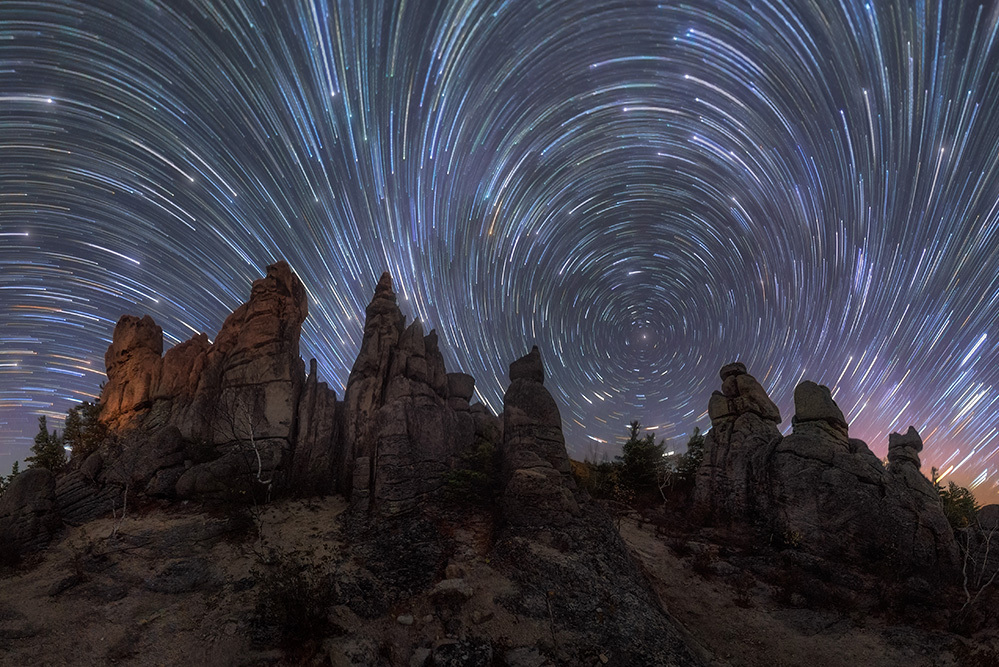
x=646, y=190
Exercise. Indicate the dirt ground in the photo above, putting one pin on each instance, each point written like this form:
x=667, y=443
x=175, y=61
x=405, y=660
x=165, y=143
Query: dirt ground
x=739, y=619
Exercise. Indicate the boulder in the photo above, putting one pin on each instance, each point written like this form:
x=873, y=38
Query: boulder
x=817, y=415
x=460, y=385
x=904, y=449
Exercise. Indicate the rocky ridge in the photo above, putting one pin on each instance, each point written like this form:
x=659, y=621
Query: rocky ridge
x=817, y=486
x=238, y=419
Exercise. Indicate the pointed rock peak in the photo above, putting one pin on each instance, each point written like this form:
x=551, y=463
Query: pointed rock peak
x=383, y=304
x=384, y=286
x=528, y=367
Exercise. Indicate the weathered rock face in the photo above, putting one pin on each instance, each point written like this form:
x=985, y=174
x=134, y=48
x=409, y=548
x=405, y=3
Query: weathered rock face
x=29, y=516
x=365, y=394
x=743, y=433
x=183, y=366
x=134, y=366
x=239, y=395
x=538, y=483
x=257, y=352
x=246, y=399
x=320, y=433
x=819, y=485
x=402, y=428
x=817, y=415
x=414, y=427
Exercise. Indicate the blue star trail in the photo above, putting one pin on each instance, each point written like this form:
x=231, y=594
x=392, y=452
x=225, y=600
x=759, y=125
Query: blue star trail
x=646, y=190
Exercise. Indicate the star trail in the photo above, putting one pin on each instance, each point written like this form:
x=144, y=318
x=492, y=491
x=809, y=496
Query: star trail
x=646, y=190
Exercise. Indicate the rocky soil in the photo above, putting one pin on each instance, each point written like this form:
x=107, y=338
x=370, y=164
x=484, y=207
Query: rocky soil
x=300, y=583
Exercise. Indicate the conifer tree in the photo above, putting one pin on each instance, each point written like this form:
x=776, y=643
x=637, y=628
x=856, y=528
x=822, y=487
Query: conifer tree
x=5, y=481
x=641, y=460
x=84, y=432
x=47, y=451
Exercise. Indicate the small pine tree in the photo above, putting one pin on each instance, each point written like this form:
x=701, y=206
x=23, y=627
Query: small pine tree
x=48, y=450
x=5, y=481
x=641, y=460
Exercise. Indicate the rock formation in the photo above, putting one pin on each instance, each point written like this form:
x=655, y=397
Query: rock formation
x=133, y=366
x=402, y=427
x=538, y=483
x=238, y=396
x=320, y=429
x=383, y=325
x=828, y=491
x=239, y=416
x=28, y=512
x=743, y=425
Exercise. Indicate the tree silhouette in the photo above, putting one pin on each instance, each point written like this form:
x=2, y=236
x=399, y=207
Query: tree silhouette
x=48, y=450
x=641, y=461
x=84, y=432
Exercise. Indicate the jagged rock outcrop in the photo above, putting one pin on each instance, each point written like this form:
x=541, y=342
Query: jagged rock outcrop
x=538, y=484
x=365, y=394
x=401, y=426
x=828, y=491
x=743, y=431
x=417, y=432
x=238, y=397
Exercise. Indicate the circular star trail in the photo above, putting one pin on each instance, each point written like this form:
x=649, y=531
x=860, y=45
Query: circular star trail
x=646, y=190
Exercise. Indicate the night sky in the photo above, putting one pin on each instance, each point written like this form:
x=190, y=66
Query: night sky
x=646, y=190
